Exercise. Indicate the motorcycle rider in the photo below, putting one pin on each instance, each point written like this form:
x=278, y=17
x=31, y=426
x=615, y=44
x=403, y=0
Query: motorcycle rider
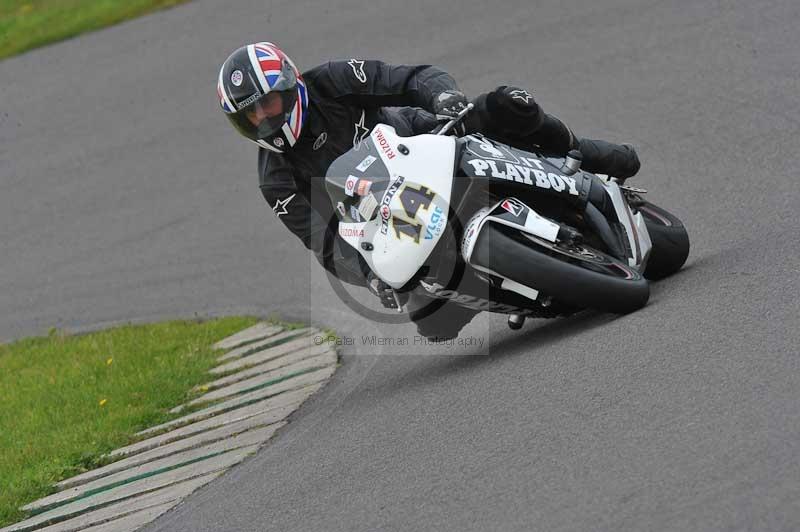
x=303, y=122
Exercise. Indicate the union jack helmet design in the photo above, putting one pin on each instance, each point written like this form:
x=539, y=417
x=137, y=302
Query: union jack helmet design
x=263, y=95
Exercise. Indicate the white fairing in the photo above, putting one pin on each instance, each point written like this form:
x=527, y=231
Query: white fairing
x=638, y=237
x=533, y=224
x=394, y=256
x=428, y=161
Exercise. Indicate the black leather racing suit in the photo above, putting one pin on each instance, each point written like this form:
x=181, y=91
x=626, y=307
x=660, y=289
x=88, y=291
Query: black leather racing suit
x=346, y=100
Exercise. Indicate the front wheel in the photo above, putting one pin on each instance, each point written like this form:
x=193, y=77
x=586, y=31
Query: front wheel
x=670, y=241
x=575, y=274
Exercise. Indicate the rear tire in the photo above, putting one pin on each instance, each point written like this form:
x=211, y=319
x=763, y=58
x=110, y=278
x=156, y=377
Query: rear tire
x=670, y=242
x=578, y=275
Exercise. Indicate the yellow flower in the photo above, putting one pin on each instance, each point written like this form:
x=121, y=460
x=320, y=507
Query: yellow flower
x=103, y=402
x=109, y=361
x=204, y=388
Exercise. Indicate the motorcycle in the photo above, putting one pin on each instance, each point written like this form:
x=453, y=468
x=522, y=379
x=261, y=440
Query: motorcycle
x=478, y=223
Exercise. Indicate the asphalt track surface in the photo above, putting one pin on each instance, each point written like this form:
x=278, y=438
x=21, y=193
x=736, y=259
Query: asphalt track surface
x=124, y=195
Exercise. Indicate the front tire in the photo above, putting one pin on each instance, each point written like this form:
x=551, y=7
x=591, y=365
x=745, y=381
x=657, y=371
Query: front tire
x=574, y=274
x=670, y=242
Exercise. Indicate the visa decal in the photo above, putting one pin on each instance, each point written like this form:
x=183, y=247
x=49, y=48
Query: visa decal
x=436, y=225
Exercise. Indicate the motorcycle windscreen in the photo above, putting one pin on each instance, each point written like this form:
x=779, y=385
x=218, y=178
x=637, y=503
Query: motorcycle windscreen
x=396, y=219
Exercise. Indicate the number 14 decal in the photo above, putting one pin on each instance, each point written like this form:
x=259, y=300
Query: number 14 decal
x=412, y=198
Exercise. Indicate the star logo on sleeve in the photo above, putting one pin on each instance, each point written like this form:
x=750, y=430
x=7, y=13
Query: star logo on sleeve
x=521, y=95
x=358, y=70
x=323, y=137
x=280, y=206
x=361, y=133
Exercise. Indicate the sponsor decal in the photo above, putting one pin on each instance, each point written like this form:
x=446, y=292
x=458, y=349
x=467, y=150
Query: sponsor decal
x=522, y=95
x=323, y=137
x=363, y=187
x=524, y=174
x=484, y=148
x=473, y=302
x=278, y=142
x=491, y=150
x=366, y=163
x=358, y=70
x=471, y=231
x=513, y=206
x=367, y=206
x=237, y=78
x=354, y=214
x=469, y=235
x=280, y=206
x=351, y=232
x=468, y=238
x=384, y=144
x=350, y=185
x=436, y=225
x=386, y=200
x=340, y=207
x=361, y=133
x=244, y=103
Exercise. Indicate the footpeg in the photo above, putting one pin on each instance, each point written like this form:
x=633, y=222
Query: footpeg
x=635, y=190
x=568, y=235
x=633, y=195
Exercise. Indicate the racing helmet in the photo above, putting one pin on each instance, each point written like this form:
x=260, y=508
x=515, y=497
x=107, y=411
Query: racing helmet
x=263, y=95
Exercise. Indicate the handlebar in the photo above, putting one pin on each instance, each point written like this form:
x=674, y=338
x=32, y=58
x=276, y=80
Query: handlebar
x=451, y=123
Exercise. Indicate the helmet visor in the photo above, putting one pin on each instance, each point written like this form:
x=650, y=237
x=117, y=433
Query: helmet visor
x=266, y=115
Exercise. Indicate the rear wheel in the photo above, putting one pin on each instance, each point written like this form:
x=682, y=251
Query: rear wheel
x=573, y=273
x=670, y=241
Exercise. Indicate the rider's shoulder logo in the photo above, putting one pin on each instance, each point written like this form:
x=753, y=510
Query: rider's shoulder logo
x=323, y=137
x=358, y=70
x=361, y=133
x=522, y=95
x=280, y=206
x=237, y=78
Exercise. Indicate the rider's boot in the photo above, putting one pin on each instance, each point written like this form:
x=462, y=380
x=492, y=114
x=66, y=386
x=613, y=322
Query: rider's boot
x=512, y=115
x=601, y=157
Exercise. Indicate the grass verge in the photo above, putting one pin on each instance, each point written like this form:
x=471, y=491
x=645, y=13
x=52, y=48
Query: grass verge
x=66, y=400
x=26, y=24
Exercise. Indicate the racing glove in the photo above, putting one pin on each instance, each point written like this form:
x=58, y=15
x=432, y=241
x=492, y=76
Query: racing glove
x=448, y=104
x=385, y=293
